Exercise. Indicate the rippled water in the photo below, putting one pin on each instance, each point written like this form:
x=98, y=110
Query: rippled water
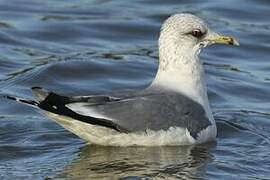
x=79, y=47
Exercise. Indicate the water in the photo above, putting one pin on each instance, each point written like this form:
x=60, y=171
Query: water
x=79, y=47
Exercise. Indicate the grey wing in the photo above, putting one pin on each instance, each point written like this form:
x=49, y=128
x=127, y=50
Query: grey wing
x=147, y=111
x=129, y=112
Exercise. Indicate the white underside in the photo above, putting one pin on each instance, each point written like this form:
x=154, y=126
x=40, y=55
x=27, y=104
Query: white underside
x=109, y=137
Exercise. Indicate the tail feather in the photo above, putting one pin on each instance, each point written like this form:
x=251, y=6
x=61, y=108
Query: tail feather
x=41, y=94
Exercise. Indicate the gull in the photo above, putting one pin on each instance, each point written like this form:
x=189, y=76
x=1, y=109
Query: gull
x=173, y=110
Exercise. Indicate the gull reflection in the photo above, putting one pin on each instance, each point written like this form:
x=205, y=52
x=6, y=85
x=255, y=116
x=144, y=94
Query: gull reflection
x=97, y=162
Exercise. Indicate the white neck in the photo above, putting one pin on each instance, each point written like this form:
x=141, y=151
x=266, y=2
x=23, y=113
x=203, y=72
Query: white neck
x=181, y=70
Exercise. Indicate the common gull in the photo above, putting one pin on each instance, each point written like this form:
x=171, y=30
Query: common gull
x=173, y=110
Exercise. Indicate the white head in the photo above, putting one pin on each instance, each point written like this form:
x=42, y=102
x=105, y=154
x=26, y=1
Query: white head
x=181, y=39
x=185, y=35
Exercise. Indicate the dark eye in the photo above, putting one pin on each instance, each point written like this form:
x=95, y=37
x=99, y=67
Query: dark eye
x=197, y=33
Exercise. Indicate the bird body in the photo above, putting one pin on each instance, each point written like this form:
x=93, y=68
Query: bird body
x=173, y=110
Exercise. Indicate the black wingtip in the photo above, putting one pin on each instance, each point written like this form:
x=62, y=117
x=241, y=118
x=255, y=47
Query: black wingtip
x=25, y=101
x=10, y=97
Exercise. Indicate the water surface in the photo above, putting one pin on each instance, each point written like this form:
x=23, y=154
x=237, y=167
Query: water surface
x=80, y=47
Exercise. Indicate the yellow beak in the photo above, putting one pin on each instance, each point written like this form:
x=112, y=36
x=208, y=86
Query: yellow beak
x=223, y=40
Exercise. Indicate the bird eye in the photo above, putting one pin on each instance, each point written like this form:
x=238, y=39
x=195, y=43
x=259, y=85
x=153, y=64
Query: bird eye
x=197, y=33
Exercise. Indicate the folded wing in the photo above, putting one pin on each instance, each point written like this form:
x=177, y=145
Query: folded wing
x=137, y=111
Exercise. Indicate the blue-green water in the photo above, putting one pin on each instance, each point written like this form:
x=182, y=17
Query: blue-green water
x=80, y=47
